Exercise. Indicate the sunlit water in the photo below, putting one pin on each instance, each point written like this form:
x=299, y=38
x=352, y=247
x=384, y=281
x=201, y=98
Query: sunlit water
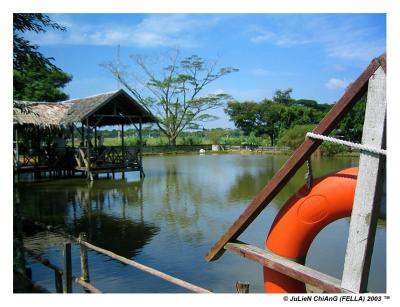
x=173, y=217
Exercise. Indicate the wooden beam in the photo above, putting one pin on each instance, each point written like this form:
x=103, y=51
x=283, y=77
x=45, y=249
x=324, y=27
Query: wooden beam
x=116, y=116
x=286, y=266
x=279, y=180
x=369, y=187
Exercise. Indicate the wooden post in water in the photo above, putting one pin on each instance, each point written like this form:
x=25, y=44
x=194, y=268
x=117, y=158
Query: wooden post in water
x=242, y=287
x=58, y=282
x=67, y=268
x=84, y=259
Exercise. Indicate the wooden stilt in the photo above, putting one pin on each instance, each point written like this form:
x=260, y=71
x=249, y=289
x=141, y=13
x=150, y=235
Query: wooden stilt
x=84, y=259
x=67, y=268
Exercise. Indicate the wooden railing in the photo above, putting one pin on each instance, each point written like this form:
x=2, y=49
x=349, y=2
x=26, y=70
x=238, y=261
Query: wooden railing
x=63, y=277
x=54, y=158
x=106, y=156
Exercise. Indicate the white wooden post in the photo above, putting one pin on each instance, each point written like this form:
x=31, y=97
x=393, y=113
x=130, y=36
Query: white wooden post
x=368, y=189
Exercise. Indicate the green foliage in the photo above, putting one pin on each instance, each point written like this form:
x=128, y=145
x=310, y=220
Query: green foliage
x=36, y=78
x=331, y=149
x=175, y=92
x=283, y=96
x=272, y=117
x=40, y=83
x=23, y=50
x=215, y=135
x=351, y=126
x=294, y=136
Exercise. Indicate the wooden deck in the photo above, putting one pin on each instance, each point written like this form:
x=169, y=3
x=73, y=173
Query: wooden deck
x=111, y=159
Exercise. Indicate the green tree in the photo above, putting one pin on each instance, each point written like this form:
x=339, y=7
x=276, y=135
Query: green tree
x=283, y=96
x=39, y=83
x=270, y=117
x=35, y=76
x=293, y=137
x=175, y=93
x=351, y=126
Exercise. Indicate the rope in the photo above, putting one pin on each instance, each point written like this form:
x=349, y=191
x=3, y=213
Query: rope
x=346, y=143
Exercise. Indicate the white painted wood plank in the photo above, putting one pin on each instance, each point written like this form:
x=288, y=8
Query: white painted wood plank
x=368, y=189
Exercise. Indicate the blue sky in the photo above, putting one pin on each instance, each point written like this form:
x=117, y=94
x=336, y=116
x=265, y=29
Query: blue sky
x=317, y=55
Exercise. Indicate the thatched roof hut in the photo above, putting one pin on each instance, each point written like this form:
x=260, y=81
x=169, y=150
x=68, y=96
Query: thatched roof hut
x=113, y=108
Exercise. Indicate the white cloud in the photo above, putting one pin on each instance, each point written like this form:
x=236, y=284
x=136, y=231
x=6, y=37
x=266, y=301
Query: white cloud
x=218, y=91
x=279, y=39
x=260, y=72
x=335, y=84
x=153, y=31
x=344, y=37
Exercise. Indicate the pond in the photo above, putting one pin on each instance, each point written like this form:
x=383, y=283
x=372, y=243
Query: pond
x=173, y=217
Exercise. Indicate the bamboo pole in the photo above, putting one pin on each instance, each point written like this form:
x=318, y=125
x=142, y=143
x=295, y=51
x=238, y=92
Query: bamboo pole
x=86, y=285
x=67, y=268
x=147, y=269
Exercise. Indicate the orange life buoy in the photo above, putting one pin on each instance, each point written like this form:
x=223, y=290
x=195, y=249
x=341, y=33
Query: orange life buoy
x=303, y=216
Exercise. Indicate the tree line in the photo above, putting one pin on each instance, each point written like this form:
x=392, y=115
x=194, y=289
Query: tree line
x=285, y=120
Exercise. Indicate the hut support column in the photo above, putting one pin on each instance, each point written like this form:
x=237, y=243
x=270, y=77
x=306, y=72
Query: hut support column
x=82, y=135
x=16, y=145
x=72, y=136
x=123, y=149
x=95, y=137
x=140, y=149
x=88, y=172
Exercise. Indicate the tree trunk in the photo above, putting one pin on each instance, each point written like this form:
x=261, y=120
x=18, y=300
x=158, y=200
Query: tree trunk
x=172, y=140
x=271, y=136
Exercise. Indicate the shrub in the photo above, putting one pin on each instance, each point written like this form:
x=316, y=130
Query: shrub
x=293, y=137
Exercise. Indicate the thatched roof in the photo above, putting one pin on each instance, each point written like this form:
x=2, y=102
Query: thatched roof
x=104, y=109
x=40, y=113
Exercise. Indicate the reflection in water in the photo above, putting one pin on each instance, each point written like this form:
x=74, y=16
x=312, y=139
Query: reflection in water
x=98, y=208
x=171, y=219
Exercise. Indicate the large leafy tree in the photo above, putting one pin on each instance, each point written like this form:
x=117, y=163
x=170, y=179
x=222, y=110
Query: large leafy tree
x=173, y=93
x=271, y=117
x=36, y=77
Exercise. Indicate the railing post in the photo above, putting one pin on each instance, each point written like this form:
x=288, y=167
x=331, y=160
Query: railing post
x=84, y=258
x=242, y=287
x=67, y=268
x=58, y=282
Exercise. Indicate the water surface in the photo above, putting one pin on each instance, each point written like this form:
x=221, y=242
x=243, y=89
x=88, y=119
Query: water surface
x=173, y=217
